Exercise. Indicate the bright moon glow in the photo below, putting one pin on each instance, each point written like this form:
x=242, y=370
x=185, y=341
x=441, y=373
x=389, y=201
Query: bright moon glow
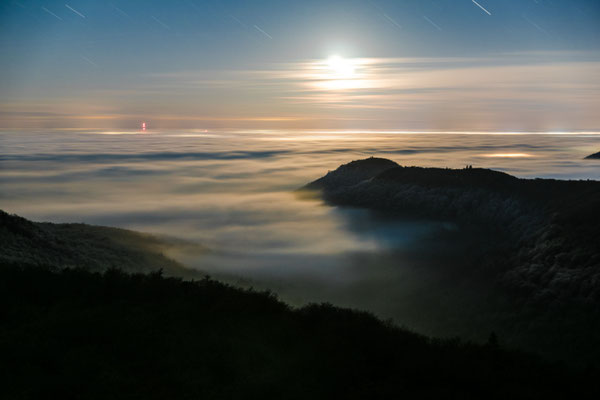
x=336, y=73
x=340, y=68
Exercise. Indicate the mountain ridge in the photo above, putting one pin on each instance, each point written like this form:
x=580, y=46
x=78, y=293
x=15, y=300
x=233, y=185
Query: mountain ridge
x=95, y=248
x=541, y=259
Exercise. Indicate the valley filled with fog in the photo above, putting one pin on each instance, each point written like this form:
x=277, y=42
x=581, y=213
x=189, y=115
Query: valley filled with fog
x=233, y=193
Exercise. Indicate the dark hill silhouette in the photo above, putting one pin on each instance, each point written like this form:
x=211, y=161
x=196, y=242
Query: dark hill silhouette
x=96, y=248
x=594, y=156
x=471, y=194
x=73, y=334
x=354, y=172
x=540, y=238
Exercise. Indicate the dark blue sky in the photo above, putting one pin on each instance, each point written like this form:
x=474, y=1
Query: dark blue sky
x=64, y=49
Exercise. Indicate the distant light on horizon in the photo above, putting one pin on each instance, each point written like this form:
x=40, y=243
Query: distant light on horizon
x=508, y=155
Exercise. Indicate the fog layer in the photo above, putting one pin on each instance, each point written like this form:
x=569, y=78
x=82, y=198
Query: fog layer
x=232, y=192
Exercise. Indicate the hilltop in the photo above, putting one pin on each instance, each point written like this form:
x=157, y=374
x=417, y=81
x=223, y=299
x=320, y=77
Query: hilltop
x=468, y=196
x=95, y=248
x=535, y=243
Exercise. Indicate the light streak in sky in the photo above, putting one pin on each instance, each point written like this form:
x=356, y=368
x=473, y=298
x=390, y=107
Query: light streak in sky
x=89, y=61
x=480, y=6
x=75, y=11
x=51, y=13
x=160, y=22
x=536, y=26
x=263, y=32
x=121, y=12
x=393, y=21
x=238, y=21
x=432, y=23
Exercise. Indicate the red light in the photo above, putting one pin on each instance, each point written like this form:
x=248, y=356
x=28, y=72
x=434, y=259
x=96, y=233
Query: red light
x=143, y=126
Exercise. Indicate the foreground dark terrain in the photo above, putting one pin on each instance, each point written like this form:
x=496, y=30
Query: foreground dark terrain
x=528, y=263
x=76, y=324
x=99, y=332
x=76, y=334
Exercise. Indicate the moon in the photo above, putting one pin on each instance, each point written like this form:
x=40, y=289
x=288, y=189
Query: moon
x=340, y=68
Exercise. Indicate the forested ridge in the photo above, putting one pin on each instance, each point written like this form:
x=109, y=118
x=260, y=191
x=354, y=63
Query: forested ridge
x=75, y=334
x=537, y=239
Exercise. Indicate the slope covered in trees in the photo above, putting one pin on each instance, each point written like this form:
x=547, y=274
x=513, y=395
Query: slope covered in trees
x=538, y=240
x=96, y=248
x=76, y=334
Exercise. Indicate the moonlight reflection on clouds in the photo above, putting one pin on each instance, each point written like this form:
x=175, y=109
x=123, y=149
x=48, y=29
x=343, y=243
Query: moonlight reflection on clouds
x=232, y=191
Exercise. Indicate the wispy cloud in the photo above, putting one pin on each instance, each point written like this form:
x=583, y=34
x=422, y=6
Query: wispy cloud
x=533, y=91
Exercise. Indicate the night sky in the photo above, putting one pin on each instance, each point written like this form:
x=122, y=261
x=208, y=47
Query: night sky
x=498, y=65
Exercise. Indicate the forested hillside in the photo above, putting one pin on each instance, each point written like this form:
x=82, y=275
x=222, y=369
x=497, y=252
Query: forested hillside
x=74, y=334
x=96, y=248
x=537, y=240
